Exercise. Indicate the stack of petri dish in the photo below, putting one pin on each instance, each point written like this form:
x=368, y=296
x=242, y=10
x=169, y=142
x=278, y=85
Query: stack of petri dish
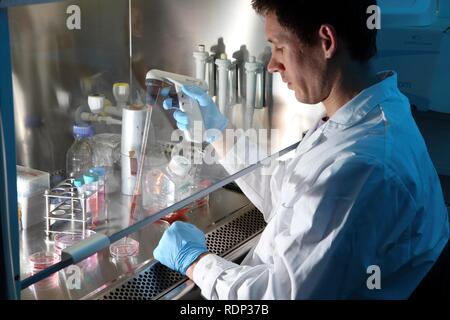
x=70, y=238
x=42, y=260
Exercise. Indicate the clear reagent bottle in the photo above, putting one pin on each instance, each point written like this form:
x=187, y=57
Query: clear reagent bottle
x=164, y=187
x=80, y=154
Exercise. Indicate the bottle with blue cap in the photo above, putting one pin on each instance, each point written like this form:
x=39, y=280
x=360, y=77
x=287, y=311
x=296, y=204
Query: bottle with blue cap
x=80, y=155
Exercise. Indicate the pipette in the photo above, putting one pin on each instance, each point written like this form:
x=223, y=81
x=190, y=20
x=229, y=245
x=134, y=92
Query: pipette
x=190, y=106
x=149, y=103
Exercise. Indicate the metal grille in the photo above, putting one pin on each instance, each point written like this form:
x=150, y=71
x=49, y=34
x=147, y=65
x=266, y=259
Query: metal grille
x=230, y=235
x=151, y=282
x=146, y=285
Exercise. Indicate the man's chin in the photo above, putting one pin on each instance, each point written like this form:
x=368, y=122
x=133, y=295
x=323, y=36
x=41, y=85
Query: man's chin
x=306, y=100
x=301, y=98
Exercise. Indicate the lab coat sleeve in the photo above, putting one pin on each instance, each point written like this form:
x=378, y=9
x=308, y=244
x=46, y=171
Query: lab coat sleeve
x=261, y=186
x=354, y=212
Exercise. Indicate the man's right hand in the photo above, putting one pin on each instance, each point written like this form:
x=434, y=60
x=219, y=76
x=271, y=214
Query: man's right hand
x=214, y=122
x=180, y=247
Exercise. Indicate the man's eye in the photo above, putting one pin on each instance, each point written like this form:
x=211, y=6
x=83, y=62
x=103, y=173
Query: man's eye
x=279, y=49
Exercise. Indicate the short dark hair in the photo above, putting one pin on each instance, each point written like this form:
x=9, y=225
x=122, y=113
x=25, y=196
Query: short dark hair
x=348, y=17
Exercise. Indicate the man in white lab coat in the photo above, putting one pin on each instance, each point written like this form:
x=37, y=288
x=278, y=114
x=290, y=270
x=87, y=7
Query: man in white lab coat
x=360, y=196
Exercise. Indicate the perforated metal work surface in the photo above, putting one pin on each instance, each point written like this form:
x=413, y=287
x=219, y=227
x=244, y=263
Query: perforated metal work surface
x=233, y=233
x=147, y=285
x=157, y=279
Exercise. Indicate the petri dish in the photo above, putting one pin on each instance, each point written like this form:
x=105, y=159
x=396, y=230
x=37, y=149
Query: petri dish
x=42, y=260
x=68, y=194
x=69, y=238
x=124, y=248
x=177, y=215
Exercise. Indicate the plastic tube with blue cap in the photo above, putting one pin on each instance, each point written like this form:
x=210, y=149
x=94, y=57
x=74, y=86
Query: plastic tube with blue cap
x=91, y=188
x=101, y=189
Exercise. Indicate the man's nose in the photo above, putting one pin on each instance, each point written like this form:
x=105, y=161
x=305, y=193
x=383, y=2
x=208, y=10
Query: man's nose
x=275, y=66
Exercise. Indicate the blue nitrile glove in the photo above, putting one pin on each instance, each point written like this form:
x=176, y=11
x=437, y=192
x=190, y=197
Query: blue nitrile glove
x=212, y=118
x=180, y=246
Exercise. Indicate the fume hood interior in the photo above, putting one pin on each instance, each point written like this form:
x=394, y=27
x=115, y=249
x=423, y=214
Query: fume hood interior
x=84, y=61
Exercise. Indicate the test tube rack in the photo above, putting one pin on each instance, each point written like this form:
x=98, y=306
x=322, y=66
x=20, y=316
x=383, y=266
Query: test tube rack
x=64, y=203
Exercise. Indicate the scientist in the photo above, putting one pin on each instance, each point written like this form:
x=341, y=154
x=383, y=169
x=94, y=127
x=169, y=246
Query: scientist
x=360, y=196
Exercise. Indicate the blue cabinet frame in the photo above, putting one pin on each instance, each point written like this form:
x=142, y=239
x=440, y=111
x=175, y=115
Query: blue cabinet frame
x=10, y=282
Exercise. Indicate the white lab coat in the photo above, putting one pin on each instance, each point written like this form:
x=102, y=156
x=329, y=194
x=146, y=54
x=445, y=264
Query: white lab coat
x=359, y=202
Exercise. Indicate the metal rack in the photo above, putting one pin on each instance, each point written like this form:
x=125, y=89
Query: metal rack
x=66, y=209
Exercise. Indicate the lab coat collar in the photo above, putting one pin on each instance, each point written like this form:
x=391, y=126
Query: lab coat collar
x=357, y=108
x=313, y=137
x=352, y=112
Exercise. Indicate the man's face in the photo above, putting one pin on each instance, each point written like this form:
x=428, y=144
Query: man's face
x=302, y=67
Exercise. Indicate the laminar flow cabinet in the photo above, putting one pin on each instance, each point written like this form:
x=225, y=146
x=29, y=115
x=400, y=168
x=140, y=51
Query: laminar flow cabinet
x=55, y=56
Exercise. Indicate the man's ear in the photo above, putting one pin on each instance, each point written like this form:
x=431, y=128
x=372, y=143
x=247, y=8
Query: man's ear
x=328, y=40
